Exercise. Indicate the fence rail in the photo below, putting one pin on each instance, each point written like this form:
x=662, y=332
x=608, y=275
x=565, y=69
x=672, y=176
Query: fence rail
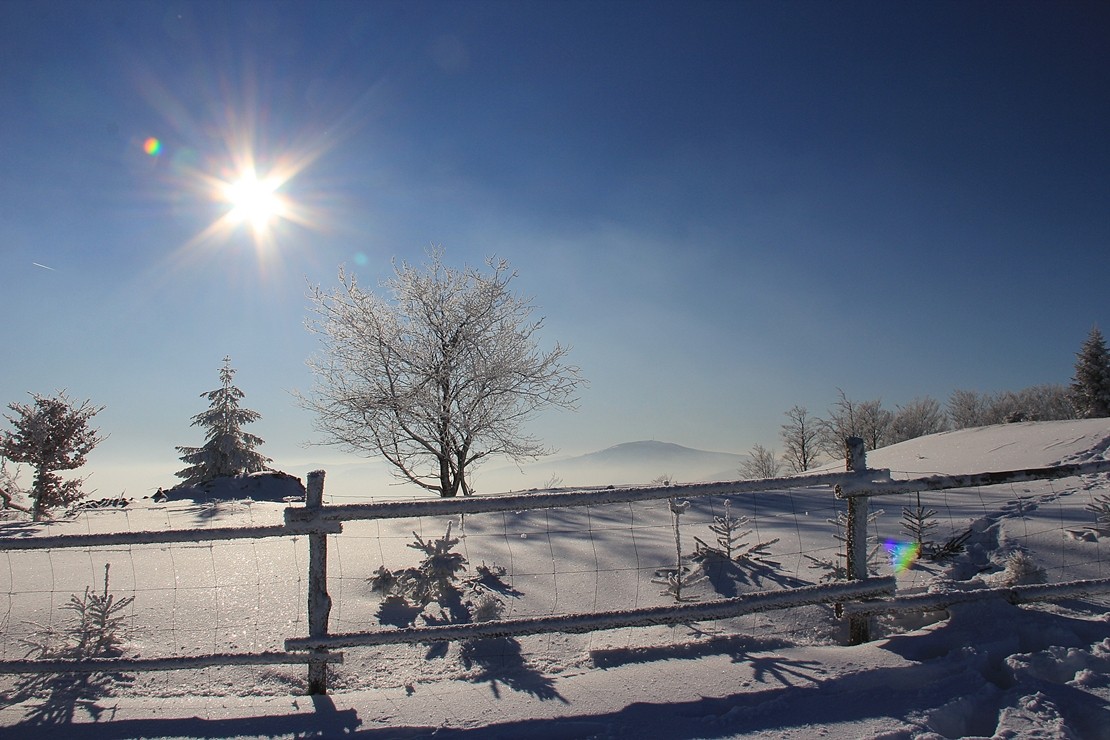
x=645, y=617
x=1014, y=594
x=856, y=484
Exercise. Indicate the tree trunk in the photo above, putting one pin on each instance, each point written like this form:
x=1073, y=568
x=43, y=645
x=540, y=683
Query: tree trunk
x=37, y=493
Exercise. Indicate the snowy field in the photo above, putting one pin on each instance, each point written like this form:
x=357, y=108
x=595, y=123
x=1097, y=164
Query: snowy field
x=985, y=669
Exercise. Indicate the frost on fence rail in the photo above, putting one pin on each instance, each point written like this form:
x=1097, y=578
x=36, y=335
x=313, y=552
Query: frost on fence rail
x=1013, y=594
x=571, y=623
x=123, y=665
x=871, y=486
x=565, y=499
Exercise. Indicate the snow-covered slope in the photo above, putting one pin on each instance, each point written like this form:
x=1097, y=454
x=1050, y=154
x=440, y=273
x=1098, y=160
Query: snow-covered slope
x=1032, y=444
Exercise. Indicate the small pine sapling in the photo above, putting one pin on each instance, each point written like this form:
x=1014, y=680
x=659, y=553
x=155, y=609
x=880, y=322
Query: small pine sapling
x=94, y=629
x=918, y=522
x=837, y=570
x=433, y=580
x=437, y=579
x=93, y=632
x=680, y=576
x=731, y=539
x=951, y=547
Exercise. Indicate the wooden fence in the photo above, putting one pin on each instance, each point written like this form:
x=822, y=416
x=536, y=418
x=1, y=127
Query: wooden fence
x=857, y=484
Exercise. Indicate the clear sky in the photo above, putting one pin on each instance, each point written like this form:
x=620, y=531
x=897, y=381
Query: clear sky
x=726, y=208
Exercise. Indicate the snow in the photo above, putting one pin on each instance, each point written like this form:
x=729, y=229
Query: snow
x=980, y=669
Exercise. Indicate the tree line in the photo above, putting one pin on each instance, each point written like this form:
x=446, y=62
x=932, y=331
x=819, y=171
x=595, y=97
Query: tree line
x=809, y=439
x=440, y=369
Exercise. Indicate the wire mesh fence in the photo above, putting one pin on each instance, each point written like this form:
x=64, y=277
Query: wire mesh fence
x=234, y=581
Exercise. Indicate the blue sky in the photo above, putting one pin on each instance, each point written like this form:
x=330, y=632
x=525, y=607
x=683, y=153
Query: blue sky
x=725, y=208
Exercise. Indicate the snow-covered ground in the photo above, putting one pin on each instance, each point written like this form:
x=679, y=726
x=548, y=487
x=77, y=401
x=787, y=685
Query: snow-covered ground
x=981, y=669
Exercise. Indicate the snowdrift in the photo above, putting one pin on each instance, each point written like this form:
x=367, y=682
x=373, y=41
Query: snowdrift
x=267, y=486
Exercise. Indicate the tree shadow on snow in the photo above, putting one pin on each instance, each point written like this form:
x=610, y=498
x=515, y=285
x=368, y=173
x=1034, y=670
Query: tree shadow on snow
x=21, y=529
x=770, y=710
x=500, y=662
x=397, y=612
x=737, y=646
x=739, y=649
x=730, y=578
x=55, y=698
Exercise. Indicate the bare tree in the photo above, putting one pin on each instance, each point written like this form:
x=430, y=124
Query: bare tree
x=874, y=423
x=1049, y=402
x=1036, y=403
x=842, y=422
x=967, y=409
x=801, y=436
x=437, y=376
x=51, y=435
x=761, y=463
x=847, y=418
x=917, y=418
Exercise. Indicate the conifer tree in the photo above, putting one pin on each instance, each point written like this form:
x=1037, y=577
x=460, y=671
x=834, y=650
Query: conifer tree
x=52, y=434
x=919, y=522
x=228, y=450
x=1090, y=387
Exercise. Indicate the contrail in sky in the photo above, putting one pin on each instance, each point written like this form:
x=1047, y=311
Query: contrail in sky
x=36, y=264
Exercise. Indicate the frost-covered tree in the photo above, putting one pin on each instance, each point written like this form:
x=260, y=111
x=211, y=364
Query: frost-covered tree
x=800, y=438
x=1035, y=403
x=867, y=420
x=227, y=450
x=51, y=435
x=761, y=463
x=435, y=373
x=874, y=423
x=1090, y=386
x=966, y=409
x=917, y=418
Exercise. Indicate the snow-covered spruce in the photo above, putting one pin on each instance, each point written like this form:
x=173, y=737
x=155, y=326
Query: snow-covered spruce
x=1090, y=387
x=228, y=450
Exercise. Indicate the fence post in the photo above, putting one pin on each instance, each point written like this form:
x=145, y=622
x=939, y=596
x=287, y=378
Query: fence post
x=319, y=602
x=855, y=460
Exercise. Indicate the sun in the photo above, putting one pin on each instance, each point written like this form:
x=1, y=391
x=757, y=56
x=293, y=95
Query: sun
x=255, y=201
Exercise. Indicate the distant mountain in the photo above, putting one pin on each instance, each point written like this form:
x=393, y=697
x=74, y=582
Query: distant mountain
x=627, y=463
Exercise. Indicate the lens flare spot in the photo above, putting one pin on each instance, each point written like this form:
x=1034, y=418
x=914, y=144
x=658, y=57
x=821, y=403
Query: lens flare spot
x=902, y=554
x=152, y=146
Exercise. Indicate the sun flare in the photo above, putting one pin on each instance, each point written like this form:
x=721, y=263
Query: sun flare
x=255, y=201
x=252, y=197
